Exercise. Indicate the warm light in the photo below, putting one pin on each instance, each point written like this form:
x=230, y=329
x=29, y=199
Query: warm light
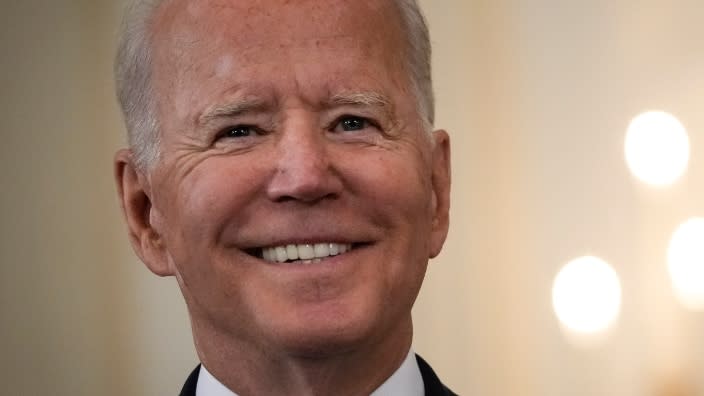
x=685, y=258
x=657, y=148
x=586, y=295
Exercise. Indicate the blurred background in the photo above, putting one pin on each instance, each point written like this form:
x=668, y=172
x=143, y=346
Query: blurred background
x=538, y=97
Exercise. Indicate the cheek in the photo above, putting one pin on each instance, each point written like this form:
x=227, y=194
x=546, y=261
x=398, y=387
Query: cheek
x=399, y=187
x=403, y=198
x=214, y=195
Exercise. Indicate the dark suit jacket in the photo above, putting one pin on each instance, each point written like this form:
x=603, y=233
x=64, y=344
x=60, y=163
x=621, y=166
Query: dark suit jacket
x=433, y=386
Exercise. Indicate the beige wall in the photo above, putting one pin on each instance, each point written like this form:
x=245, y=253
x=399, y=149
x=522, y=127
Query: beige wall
x=80, y=315
x=543, y=92
x=536, y=95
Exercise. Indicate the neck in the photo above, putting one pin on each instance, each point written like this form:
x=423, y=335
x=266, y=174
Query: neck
x=252, y=370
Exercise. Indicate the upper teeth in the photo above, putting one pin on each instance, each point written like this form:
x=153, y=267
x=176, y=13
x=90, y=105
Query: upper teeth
x=280, y=254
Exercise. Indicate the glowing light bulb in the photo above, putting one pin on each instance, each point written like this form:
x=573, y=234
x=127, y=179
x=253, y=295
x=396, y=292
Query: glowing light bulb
x=586, y=295
x=657, y=148
x=685, y=260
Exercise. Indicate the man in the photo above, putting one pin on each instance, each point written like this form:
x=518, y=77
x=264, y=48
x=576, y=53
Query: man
x=283, y=169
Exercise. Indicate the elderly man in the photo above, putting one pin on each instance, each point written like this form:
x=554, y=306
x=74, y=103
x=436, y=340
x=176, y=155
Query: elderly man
x=283, y=168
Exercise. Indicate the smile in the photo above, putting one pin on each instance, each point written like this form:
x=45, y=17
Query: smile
x=304, y=253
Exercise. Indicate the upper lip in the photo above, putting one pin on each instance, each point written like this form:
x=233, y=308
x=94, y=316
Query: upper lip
x=296, y=230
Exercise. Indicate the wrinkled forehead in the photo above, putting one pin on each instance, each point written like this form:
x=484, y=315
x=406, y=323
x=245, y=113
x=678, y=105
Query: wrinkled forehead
x=183, y=26
x=200, y=46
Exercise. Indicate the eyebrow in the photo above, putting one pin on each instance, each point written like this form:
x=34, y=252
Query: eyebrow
x=248, y=105
x=362, y=99
x=231, y=110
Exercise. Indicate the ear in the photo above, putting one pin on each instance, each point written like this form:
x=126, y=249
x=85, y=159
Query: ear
x=441, y=190
x=133, y=193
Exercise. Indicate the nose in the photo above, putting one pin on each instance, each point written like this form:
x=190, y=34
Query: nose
x=304, y=169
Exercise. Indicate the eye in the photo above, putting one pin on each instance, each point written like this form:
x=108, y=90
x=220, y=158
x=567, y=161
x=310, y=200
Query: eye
x=351, y=123
x=238, y=131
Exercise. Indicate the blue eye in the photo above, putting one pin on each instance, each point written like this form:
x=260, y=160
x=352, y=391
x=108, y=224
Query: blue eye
x=353, y=123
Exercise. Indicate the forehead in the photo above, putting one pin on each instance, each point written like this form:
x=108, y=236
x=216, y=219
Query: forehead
x=198, y=43
x=282, y=20
x=194, y=27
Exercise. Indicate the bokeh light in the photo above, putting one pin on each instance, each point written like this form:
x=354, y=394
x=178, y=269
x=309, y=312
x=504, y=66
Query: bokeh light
x=657, y=148
x=586, y=295
x=685, y=259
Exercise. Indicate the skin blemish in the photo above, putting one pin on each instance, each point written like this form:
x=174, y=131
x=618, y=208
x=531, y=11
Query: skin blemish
x=224, y=66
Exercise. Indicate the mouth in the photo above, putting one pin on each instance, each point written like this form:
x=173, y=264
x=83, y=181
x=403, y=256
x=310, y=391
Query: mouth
x=305, y=253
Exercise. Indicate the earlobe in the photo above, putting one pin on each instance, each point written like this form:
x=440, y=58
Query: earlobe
x=136, y=204
x=441, y=180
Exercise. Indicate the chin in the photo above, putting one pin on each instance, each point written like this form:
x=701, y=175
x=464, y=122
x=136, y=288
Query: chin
x=332, y=335
x=320, y=345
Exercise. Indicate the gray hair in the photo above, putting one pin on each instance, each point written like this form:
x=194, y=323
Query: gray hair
x=135, y=93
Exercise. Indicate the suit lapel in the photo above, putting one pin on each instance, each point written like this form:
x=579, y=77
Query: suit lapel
x=189, y=388
x=431, y=382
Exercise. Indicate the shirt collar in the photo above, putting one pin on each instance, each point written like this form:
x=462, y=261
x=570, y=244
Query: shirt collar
x=406, y=380
x=210, y=386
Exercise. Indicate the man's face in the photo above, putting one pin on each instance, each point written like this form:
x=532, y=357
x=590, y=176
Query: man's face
x=291, y=127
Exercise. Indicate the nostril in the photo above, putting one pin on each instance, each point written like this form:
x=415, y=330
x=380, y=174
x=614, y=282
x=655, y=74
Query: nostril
x=305, y=174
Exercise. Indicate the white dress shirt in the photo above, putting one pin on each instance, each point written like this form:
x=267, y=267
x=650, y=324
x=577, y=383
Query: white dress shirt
x=406, y=380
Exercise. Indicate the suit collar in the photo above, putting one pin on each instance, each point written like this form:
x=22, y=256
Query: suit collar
x=433, y=386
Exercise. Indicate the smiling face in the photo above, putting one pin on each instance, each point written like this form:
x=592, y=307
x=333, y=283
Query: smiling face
x=297, y=199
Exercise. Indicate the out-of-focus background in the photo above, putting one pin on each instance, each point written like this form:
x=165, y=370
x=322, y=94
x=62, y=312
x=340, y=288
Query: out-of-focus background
x=538, y=96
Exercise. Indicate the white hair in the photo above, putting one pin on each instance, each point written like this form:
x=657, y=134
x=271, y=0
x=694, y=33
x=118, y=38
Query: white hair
x=418, y=58
x=138, y=101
